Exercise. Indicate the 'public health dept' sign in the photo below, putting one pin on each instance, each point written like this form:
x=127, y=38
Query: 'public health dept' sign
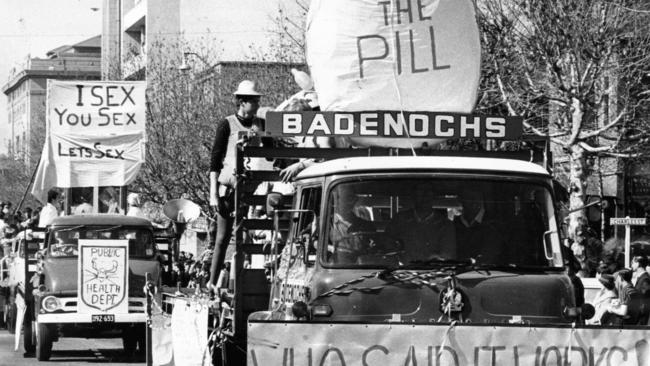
x=103, y=276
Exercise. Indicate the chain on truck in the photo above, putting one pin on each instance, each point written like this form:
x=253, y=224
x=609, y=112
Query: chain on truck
x=382, y=257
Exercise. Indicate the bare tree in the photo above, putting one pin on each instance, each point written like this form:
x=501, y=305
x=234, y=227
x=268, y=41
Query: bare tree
x=183, y=107
x=289, y=30
x=577, y=71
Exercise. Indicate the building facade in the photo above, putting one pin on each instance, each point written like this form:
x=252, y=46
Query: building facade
x=26, y=93
x=136, y=33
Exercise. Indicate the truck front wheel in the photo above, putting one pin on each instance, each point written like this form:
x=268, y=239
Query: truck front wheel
x=44, y=342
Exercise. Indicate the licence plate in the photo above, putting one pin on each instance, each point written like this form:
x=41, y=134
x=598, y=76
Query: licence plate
x=103, y=318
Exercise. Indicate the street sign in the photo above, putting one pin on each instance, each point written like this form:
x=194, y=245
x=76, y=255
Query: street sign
x=627, y=222
x=634, y=221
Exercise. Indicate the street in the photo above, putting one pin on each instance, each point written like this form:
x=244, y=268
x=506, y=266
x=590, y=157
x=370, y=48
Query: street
x=70, y=351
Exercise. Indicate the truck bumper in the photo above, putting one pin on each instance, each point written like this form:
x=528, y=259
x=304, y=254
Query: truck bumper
x=60, y=318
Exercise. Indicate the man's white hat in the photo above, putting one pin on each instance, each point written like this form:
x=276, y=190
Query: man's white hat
x=247, y=87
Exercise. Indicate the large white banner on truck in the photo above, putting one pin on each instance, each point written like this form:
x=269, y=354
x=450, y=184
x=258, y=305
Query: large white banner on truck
x=103, y=277
x=410, y=344
x=95, y=134
x=412, y=55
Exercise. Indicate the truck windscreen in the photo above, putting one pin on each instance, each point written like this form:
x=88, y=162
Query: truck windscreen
x=391, y=222
x=64, y=241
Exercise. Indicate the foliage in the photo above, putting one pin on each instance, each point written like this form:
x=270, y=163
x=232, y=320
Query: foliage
x=289, y=30
x=183, y=108
x=577, y=71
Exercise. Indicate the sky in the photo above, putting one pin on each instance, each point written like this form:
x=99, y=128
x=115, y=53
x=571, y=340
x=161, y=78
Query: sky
x=34, y=27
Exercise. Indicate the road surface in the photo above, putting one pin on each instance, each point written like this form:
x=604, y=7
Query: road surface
x=70, y=351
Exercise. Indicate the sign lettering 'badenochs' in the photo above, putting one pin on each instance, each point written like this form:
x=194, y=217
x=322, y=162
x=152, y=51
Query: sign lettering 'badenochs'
x=394, y=124
x=103, y=276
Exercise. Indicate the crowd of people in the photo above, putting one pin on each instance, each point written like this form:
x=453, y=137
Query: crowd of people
x=13, y=221
x=624, y=298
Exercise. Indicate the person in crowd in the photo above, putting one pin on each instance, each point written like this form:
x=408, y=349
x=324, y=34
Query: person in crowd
x=626, y=306
x=603, y=300
x=133, y=200
x=222, y=166
x=425, y=232
x=3, y=225
x=477, y=237
x=178, y=276
x=50, y=210
x=641, y=282
x=83, y=207
x=6, y=208
x=108, y=202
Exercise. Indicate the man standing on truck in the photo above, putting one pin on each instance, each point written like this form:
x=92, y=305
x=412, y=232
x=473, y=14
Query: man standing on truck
x=49, y=212
x=222, y=167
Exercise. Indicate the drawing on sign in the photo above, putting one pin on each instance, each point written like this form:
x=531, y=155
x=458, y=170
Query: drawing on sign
x=103, y=281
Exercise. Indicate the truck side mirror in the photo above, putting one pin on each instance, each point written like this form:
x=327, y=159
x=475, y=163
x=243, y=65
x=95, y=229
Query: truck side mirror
x=274, y=201
x=548, y=244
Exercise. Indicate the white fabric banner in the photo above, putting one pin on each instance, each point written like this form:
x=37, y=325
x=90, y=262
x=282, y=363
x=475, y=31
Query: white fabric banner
x=409, y=344
x=95, y=135
x=412, y=55
x=189, y=332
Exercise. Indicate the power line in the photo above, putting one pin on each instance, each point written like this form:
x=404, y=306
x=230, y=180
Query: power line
x=151, y=34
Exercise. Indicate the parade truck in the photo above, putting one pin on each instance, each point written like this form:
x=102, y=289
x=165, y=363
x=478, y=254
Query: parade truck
x=91, y=280
x=394, y=256
x=84, y=274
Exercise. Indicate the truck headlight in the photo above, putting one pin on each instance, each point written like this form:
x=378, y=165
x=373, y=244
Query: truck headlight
x=51, y=304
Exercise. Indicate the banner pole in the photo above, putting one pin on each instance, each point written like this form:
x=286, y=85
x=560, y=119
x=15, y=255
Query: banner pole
x=31, y=181
x=148, y=295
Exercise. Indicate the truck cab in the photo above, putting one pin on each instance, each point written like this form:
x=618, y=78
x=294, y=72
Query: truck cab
x=111, y=298
x=423, y=240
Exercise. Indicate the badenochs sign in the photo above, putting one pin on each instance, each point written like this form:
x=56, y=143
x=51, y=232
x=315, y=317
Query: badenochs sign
x=394, y=124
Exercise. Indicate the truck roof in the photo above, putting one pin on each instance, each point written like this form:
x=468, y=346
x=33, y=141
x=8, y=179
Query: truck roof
x=100, y=220
x=421, y=163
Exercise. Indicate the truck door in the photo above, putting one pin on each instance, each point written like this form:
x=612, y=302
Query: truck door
x=299, y=255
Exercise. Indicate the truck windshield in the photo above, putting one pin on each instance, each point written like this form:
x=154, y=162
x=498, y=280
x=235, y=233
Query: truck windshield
x=64, y=241
x=409, y=222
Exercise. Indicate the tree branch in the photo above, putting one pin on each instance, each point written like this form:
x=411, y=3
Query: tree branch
x=597, y=132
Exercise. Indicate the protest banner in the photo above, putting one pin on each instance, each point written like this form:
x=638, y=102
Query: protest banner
x=404, y=55
x=95, y=135
x=409, y=344
x=103, y=278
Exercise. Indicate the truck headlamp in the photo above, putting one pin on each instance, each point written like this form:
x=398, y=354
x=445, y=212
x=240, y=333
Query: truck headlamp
x=51, y=303
x=322, y=310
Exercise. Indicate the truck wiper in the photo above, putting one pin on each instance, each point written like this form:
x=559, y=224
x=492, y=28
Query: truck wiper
x=511, y=266
x=439, y=262
x=71, y=228
x=107, y=228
